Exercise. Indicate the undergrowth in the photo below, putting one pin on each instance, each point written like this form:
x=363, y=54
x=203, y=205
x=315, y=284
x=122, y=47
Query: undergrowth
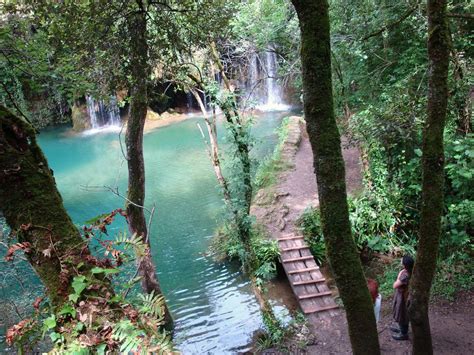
x=268, y=169
x=96, y=316
x=227, y=246
x=290, y=338
x=452, y=276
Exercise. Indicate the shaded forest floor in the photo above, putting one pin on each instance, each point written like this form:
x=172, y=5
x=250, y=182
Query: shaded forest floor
x=279, y=206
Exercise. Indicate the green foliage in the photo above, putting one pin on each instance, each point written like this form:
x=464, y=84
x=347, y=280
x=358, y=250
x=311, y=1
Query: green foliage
x=35, y=82
x=380, y=73
x=275, y=332
x=94, y=318
x=458, y=225
x=281, y=336
x=267, y=253
x=374, y=224
x=260, y=24
x=309, y=224
x=227, y=245
x=152, y=305
x=453, y=274
x=127, y=335
x=267, y=171
x=460, y=166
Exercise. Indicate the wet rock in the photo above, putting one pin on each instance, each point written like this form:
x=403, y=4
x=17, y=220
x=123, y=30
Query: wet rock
x=80, y=117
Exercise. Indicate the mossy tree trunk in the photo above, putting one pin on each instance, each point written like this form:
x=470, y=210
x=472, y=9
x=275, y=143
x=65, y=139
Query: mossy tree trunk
x=34, y=209
x=240, y=139
x=433, y=177
x=329, y=168
x=139, y=70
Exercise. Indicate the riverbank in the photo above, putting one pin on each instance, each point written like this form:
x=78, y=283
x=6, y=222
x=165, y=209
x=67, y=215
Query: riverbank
x=292, y=189
x=155, y=120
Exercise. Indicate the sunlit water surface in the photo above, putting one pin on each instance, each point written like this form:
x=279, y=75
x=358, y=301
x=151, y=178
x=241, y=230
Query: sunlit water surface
x=212, y=304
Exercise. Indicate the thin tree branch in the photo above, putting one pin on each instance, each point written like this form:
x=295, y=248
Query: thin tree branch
x=402, y=18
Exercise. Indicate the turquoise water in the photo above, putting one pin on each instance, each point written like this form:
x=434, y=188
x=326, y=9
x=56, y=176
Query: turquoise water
x=212, y=304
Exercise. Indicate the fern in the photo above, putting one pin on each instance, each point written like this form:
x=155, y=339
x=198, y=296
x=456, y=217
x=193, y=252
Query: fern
x=163, y=345
x=134, y=242
x=127, y=335
x=152, y=305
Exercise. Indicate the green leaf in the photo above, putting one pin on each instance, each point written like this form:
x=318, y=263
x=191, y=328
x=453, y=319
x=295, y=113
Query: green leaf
x=96, y=218
x=50, y=322
x=67, y=309
x=79, y=327
x=73, y=297
x=79, y=284
x=99, y=270
x=55, y=337
x=117, y=298
x=101, y=349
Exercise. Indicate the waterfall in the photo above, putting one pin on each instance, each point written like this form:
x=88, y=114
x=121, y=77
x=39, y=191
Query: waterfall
x=103, y=115
x=262, y=85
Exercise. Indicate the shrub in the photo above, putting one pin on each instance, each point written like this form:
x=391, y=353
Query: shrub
x=309, y=224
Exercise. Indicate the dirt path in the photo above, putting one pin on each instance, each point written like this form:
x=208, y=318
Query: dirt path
x=278, y=207
x=452, y=326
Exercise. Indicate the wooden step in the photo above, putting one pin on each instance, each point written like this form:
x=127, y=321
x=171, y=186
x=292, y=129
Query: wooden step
x=303, y=270
x=301, y=258
x=315, y=295
x=319, y=309
x=295, y=248
x=308, y=282
x=290, y=238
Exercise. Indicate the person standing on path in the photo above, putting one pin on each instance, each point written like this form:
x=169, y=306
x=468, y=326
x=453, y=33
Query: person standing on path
x=400, y=299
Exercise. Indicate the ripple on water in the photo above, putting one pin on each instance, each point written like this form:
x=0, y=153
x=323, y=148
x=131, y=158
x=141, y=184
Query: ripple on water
x=228, y=319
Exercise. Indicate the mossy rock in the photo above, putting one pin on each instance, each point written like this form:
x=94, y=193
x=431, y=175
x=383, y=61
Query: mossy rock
x=152, y=115
x=80, y=118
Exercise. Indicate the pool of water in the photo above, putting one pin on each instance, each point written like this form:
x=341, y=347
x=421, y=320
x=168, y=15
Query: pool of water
x=212, y=304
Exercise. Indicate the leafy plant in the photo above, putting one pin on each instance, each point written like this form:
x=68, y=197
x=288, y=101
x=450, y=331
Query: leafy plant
x=226, y=245
x=93, y=318
x=310, y=225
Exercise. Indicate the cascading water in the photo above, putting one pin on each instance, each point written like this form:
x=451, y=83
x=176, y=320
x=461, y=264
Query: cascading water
x=262, y=86
x=102, y=115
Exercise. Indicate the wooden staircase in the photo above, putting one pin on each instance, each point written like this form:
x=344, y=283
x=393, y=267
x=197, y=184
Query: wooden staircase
x=306, y=279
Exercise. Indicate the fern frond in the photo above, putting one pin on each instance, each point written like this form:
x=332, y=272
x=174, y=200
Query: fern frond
x=152, y=305
x=127, y=335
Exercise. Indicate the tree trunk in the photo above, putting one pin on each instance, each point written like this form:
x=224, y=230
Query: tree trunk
x=214, y=150
x=237, y=127
x=34, y=209
x=433, y=177
x=134, y=142
x=329, y=168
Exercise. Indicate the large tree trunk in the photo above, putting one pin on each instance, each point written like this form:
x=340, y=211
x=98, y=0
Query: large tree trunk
x=34, y=209
x=329, y=168
x=134, y=141
x=433, y=177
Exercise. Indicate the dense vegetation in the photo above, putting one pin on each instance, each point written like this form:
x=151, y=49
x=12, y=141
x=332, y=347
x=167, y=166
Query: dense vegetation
x=54, y=54
x=382, y=108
